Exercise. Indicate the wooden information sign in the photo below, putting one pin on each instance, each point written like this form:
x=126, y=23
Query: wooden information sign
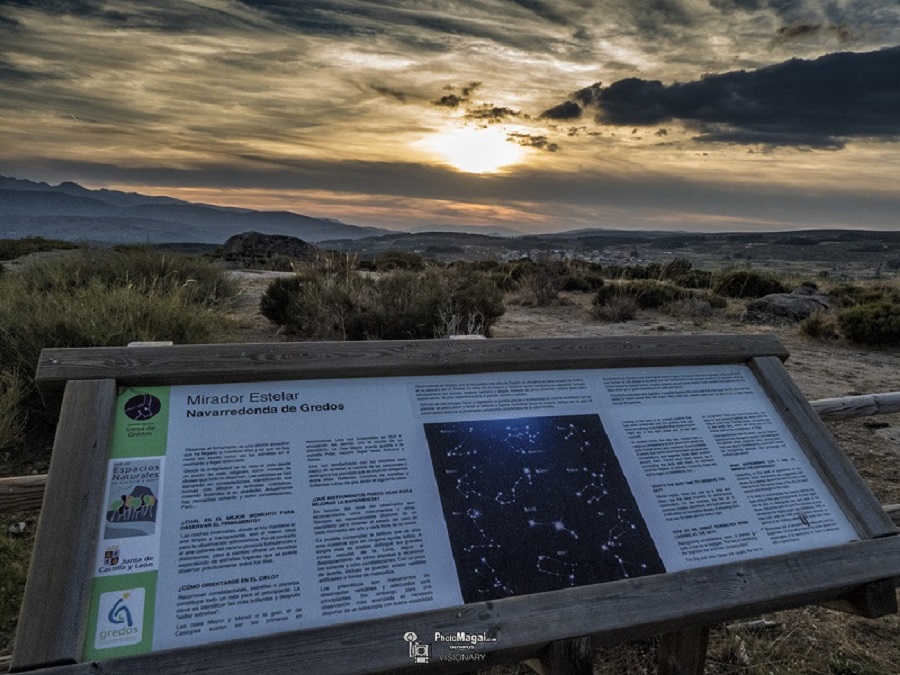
x=362, y=507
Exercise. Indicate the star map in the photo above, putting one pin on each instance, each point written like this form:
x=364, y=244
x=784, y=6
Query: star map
x=537, y=504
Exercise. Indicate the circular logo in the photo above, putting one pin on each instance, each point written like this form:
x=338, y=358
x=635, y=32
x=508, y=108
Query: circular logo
x=410, y=636
x=142, y=407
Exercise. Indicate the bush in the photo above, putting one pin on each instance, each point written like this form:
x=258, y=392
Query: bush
x=647, y=293
x=693, y=279
x=819, y=326
x=698, y=310
x=402, y=305
x=10, y=249
x=677, y=268
x=746, y=284
x=398, y=260
x=850, y=295
x=871, y=324
x=281, y=263
x=617, y=307
x=94, y=316
x=503, y=280
x=15, y=555
x=144, y=269
x=541, y=285
x=44, y=308
x=586, y=283
x=12, y=394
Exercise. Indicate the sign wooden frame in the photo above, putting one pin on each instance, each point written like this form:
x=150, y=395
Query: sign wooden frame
x=85, y=381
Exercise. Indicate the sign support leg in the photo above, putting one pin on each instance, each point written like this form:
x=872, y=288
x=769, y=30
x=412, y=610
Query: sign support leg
x=684, y=652
x=565, y=657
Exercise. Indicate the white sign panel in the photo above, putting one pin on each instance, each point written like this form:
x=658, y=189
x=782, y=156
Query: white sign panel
x=241, y=510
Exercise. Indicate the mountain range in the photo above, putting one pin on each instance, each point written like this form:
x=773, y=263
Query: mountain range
x=71, y=212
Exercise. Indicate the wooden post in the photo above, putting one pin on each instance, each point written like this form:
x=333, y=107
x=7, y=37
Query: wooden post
x=54, y=612
x=565, y=657
x=684, y=652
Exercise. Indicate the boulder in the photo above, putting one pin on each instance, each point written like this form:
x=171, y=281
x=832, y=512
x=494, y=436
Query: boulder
x=250, y=249
x=785, y=307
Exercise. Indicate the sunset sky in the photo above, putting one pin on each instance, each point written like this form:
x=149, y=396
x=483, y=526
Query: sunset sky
x=539, y=115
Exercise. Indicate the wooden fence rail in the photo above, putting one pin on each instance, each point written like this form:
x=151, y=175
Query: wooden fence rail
x=24, y=493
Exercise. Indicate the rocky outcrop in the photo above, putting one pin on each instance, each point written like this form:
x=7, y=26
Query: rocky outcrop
x=250, y=249
x=785, y=307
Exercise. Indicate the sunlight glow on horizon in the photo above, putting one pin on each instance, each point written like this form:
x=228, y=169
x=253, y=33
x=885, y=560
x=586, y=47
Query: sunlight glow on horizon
x=475, y=150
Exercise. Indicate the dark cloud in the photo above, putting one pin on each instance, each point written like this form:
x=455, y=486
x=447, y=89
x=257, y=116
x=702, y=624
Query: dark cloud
x=390, y=93
x=534, y=141
x=449, y=101
x=785, y=9
x=167, y=16
x=457, y=96
x=543, y=10
x=311, y=16
x=569, y=110
x=818, y=103
x=589, y=95
x=490, y=113
x=427, y=28
x=660, y=16
x=461, y=97
x=800, y=31
x=727, y=6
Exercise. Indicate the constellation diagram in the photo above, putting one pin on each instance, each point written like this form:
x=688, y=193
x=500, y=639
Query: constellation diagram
x=537, y=504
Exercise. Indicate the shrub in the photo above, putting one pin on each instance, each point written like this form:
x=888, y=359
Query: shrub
x=647, y=293
x=541, y=285
x=696, y=309
x=399, y=260
x=281, y=263
x=144, y=269
x=10, y=249
x=638, y=272
x=819, y=326
x=871, y=324
x=401, y=305
x=693, y=279
x=617, y=307
x=582, y=283
x=503, y=280
x=277, y=302
x=12, y=394
x=746, y=284
x=94, y=316
x=15, y=554
x=677, y=268
x=43, y=308
x=605, y=293
x=850, y=295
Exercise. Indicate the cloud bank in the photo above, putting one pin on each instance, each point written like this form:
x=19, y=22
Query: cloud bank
x=811, y=103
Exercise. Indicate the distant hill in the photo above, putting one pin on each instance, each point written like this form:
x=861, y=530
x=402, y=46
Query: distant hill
x=488, y=230
x=73, y=213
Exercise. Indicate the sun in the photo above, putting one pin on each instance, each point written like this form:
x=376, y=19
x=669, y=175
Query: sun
x=475, y=150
